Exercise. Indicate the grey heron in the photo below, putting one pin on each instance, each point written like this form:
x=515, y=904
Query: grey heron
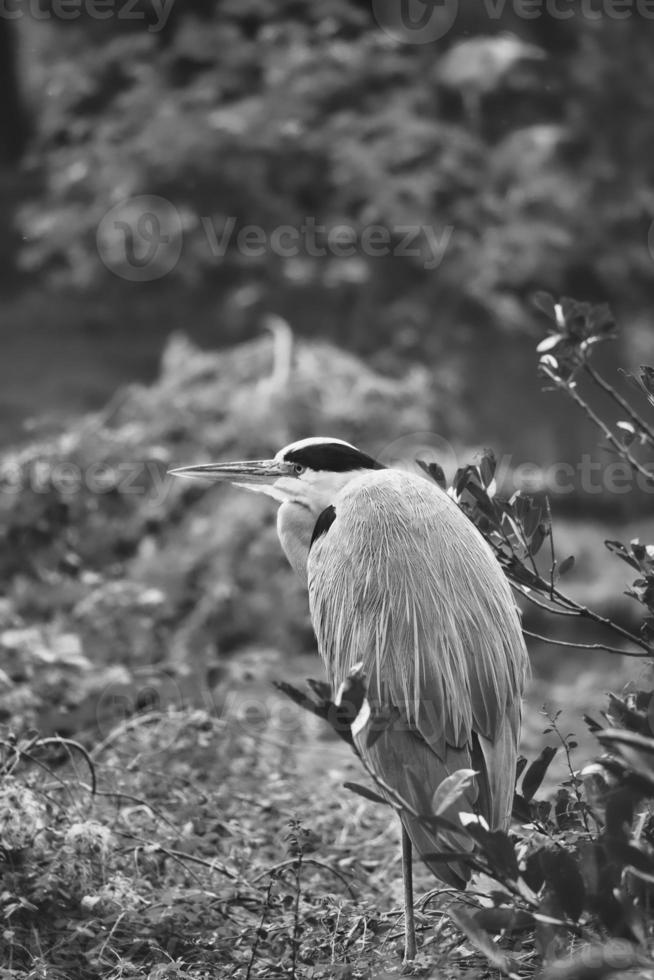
x=401, y=581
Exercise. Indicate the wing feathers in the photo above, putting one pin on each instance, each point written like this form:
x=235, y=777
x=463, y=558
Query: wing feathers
x=406, y=762
x=496, y=763
x=404, y=583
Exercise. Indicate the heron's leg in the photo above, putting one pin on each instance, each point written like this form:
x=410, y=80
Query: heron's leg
x=409, y=920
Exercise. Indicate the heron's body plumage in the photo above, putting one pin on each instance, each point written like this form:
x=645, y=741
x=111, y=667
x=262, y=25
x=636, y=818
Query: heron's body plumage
x=402, y=582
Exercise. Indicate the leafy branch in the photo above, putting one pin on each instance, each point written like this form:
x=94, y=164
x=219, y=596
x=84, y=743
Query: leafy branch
x=517, y=528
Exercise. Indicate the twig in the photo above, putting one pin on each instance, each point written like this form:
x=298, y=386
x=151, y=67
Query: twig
x=133, y=799
x=622, y=402
x=603, y=621
x=18, y=749
x=553, y=562
x=180, y=856
x=124, y=727
x=572, y=608
x=521, y=589
x=117, y=795
x=69, y=743
x=295, y=940
x=568, y=759
x=582, y=646
x=619, y=447
x=318, y=864
x=259, y=932
x=113, y=930
x=527, y=548
x=46, y=768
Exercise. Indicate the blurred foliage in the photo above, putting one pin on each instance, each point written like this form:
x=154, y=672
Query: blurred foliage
x=272, y=115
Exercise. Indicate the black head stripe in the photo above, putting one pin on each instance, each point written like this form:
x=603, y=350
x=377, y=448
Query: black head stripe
x=333, y=457
x=325, y=520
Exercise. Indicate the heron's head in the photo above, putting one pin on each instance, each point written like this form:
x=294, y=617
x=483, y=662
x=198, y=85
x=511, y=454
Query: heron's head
x=309, y=473
x=304, y=477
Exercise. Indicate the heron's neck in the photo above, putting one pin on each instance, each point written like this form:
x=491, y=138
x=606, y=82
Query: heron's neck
x=297, y=516
x=295, y=523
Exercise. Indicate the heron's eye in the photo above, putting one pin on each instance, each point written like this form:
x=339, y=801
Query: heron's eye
x=299, y=469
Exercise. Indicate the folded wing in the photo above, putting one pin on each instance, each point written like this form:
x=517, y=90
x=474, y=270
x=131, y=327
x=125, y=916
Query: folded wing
x=404, y=583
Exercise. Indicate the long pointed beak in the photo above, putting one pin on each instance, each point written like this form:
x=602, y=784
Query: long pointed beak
x=248, y=471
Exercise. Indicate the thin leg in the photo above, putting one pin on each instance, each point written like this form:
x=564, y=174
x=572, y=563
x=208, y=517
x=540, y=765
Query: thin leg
x=409, y=920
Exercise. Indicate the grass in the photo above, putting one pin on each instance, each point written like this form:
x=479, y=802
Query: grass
x=219, y=843
x=215, y=846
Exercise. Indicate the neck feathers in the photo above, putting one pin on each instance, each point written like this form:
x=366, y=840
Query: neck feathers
x=295, y=524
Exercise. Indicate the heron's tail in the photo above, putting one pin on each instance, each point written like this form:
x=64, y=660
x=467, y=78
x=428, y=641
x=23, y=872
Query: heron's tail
x=406, y=763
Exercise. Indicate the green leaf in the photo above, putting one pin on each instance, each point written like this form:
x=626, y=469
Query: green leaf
x=647, y=378
x=483, y=501
x=504, y=920
x=380, y=722
x=537, y=539
x=617, y=548
x=480, y=939
x=451, y=789
x=532, y=520
x=563, y=877
x=367, y=794
x=600, y=962
x=300, y=698
x=545, y=303
x=566, y=565
x=549, y=343
x=535, y=774
x=352, y=692
x=628, y=855
x=498, y=851
x=435, y=471
x=487, y=467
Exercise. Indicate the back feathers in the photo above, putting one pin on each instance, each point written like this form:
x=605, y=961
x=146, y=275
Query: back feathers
x=404, y=583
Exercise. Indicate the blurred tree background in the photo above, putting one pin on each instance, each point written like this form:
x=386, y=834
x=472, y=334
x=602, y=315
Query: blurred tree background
x=537, y=159
x=521, y=144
